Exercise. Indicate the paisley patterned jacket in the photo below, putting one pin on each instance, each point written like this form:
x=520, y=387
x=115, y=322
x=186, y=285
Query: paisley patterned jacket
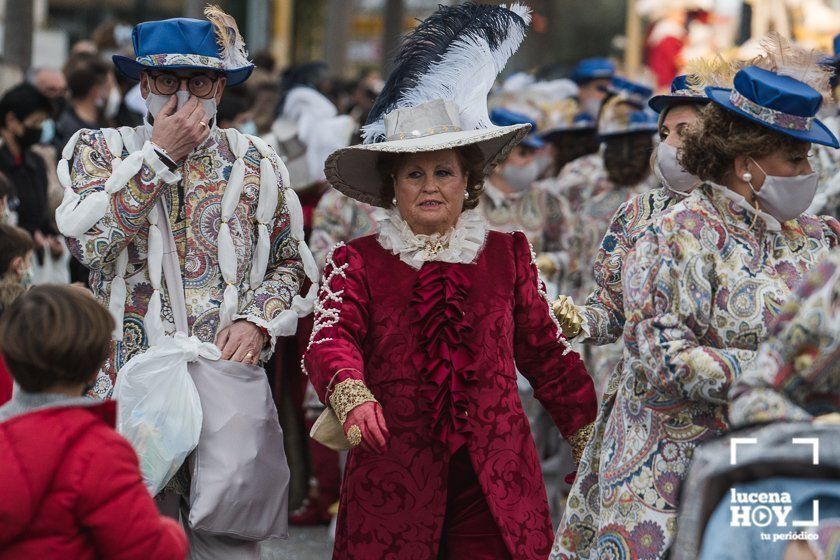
x=192, y=196
x=797, y=372
x=700, y=290
x=603, y=310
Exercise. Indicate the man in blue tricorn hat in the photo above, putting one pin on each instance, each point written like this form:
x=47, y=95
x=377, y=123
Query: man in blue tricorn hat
x=210, y=212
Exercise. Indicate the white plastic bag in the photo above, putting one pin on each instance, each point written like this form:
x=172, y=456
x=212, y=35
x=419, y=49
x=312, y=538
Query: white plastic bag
x=158, y=409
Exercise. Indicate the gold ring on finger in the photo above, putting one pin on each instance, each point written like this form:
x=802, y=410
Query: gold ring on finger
x=354, y=435
x=202, y=123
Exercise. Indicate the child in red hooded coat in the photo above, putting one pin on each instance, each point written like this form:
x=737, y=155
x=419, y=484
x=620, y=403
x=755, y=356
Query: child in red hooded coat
x=72, y=486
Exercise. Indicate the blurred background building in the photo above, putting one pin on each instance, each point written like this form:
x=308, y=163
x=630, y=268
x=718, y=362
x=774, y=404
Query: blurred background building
x=351, y=35
x=347, y=34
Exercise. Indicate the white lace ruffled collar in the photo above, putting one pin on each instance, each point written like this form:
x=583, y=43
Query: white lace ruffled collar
x=461, y=244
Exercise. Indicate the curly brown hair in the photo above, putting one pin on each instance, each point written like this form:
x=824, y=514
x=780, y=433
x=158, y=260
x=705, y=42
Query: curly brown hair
x=472, y=163
x=711, y=144
x=627, y=158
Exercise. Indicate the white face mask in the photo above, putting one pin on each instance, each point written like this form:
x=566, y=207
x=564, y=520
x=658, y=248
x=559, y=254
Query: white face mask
x=786, y=198
x=155, y=102
x=47, y=132
x=668, y=170
x=26, y=276
x=520, y=177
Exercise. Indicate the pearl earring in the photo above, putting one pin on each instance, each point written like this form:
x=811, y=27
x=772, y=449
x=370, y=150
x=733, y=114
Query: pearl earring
x=394, y=201
x=466, y=195
x=747, y=176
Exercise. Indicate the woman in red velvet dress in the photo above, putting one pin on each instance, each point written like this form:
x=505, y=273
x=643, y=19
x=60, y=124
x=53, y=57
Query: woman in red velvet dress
x=419, y=332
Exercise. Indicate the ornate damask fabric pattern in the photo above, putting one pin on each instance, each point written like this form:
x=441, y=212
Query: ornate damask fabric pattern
x=700, y=290
x=338, y=218
x=393, y=504
x=195, y=225
x=796, y=374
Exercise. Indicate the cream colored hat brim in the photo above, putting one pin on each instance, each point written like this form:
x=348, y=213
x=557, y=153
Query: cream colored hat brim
x=353, y=170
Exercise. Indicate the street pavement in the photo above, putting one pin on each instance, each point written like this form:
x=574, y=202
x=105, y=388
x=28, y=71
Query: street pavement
x=305, y=543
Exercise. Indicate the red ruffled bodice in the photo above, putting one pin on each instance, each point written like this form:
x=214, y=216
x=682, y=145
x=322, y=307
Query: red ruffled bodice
x=445, y=360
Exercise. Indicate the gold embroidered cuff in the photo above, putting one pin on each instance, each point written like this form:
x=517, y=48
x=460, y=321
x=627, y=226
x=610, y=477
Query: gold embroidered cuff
x=347, y=395
x=579, y=439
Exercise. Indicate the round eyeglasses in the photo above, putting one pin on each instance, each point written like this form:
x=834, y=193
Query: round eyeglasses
x=200, y=85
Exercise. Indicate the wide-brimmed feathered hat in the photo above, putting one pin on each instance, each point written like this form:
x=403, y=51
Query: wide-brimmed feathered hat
x=188, y=44
x=436, y=96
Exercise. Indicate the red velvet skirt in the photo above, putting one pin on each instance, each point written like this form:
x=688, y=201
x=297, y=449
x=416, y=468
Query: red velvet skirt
x=469, y=530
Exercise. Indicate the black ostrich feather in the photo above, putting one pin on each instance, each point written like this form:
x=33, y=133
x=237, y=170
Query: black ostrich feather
x=434, y=37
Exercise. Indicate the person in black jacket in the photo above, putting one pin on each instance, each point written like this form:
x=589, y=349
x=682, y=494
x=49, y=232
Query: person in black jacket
x=23, y=110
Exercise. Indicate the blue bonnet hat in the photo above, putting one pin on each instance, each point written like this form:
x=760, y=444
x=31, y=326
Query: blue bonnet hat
x=778, y=102
x=629, y=90
x=625, y=111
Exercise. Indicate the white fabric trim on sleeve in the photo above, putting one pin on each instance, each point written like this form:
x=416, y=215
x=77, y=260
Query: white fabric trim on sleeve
x=226, y=248
x=285, y=323
x=76, y=215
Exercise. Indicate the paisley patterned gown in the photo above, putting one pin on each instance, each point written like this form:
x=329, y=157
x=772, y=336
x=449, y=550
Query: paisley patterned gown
x=796, y=375
x=601, y=242
x=700, y=290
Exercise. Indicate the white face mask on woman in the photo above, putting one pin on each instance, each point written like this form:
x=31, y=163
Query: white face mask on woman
x=155, y=102
x=668, y=170
x=520, y=177
x=786, y=198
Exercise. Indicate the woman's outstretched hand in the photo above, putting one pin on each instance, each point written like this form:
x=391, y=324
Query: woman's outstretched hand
x=371, y=423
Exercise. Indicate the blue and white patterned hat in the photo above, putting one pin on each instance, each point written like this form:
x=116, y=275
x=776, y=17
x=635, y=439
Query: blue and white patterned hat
x=188, y=44
x=778, y=102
